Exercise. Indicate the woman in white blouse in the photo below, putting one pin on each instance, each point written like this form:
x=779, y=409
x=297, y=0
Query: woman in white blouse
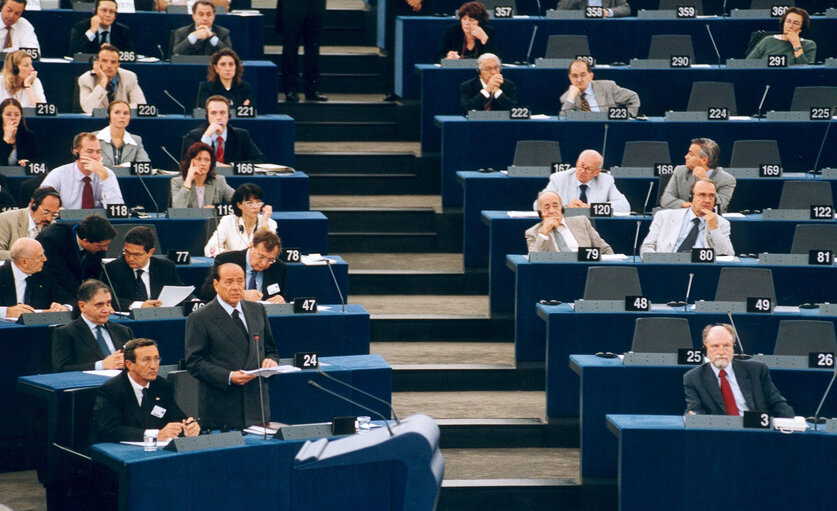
x=20, y=80
x=235, y=231
x=119, y=146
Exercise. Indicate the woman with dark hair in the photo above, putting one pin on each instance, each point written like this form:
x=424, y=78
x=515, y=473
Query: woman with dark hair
x=469, y=38
x=18, y=146
x=197, y=186
x=119, y=146
x=235, y=231
x=789, y=43
x=224, y=79
x=20, y=80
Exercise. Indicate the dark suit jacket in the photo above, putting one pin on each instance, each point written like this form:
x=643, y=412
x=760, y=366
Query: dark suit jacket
x=471, y=98
x=238, y=148
x=64, y=261
x=120, y=36
x=27, y=148
x=237, y=94
x=180, y=44
x=274, y=274
x=453, y=38
x=214, y=348
x=118, y=417
x=75, y=349
x=162, y=273
x=703, y=393
x=44, y=290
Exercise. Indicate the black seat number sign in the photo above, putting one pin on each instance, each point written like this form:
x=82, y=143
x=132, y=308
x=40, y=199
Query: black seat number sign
x=127, y=56
x=717, y=113
x=820, y=257
x=821, y=360
x=777, y=11
x=306, y=360
x=601, y=209
x=141, y=168
x=594, y=12
x=822, y=212
x=757, y=419
x=680, y=61
x=689, y=356
x=589, y=254
x=520, y=112
x=192, y=306
x=663, y=169
x=777, y=61
x=291, y=255
x=759, y=304
x=586, y=58
x=504, y=11
x=146, y=110
x=45, y=110
x=224, y=209
x=305, y=305
x=560, y=167
x=244, y=169
x=637, y=304
x=180, y=256
x=686, y=11
x=820, y=113
x=703, y=255
x=118, y=211
x=770, y=170
x=35, y=168
x=245, y=111
x=617, y=113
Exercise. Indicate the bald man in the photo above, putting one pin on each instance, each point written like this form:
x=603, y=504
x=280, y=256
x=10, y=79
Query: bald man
x=584, y=184
x=557, y=233
x=23, y=287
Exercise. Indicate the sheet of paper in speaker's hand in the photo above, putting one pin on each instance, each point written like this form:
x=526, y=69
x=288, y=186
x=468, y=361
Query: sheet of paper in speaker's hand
x=173, y=295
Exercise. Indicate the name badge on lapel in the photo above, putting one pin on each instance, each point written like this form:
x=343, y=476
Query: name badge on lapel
x=158, y=411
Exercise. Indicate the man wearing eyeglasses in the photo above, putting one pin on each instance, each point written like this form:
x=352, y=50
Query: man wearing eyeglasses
x=585, y=184
x=137, y=278
x=24, y=288
x=30, y=221
x=264, y=273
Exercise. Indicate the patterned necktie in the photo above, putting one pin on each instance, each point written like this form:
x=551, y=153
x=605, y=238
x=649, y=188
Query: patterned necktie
x=690, y=239
x=237, y=318
x=582, y=196
x=726, y=392
x=140, y=293
x=27, y=293
x=8, y=43
x=219, y=151
x=111, y=91
x=488, y=102
x=100, y=339
x=87, y=194
x=585, y=106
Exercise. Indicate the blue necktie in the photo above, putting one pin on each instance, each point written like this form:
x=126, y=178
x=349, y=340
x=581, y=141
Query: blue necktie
x=140, y=293
x=252, y=284
x=100, y=338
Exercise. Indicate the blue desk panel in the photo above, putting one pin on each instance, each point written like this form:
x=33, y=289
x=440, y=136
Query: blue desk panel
x=663, y=465
x=661, y=283
x=798, y=142
x=608, y=387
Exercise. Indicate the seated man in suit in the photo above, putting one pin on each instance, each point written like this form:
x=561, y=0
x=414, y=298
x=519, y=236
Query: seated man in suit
x=557, y=233
x=21, y=33
x=137, y=400
x=681, y=230
x=88, y=35
x=28, y=222
x=24, y=288
x=224, y=338
x=108, y=82
x=137, y=277
x=74, y=252
x=610, y=8
x=86, y=183
x=264, y=274
x=590, y=95
x=725, y=386
x=91, y=341
x=701, y=163
x=230, y=144
x=489, y=90
x=202, y=37
x=585, y=184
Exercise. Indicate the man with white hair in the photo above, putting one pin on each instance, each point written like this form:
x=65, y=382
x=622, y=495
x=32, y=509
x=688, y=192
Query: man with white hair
x=23, y=287
x=725, y=386
x=489, y=90
x=585, y=184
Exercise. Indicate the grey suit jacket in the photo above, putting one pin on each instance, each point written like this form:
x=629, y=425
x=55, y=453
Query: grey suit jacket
x=665, y=229
x=130, y=152
x=217, y=192
x=620, y=7
x=182, y=46
x=92, y=96
x=703, y=392
x=679, y=187
x=607, y=94
x=14, y=225
x=581, y=229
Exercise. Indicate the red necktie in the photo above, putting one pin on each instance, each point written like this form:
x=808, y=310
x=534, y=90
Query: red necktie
x=219, y=151
x=87, y=194
x=726, y=391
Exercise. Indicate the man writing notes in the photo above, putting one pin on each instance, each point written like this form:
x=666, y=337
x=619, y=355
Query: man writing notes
x=588, y=95
x=681, y=230
x=725, y=386
x=489, y=90
x=701, y=162
x=585, y=184
x=223, y=339
x=557, y=233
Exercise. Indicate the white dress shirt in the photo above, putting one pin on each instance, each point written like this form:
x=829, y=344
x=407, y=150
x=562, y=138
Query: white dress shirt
x=686, y=228
x=33, y=229
x=23, y=35
x=484, y=90
x=137, y=389
x=232, y=235
x=92, y=326
x=566, y=234
x=740, y=402
x=22, y=96
x=599, y=189
x=68, y=180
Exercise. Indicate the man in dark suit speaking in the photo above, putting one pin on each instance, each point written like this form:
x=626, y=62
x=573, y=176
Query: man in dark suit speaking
x=231, y=145
x=725, y=386
x=224, y=338
x=489, y=90
x=91, y=341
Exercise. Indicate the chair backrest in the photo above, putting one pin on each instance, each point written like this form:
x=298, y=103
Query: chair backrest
x=752, y=153
x=663, y=46
x=767, y=4
x=645, y=153
x=115, y=247
x=612, y=283
x=671, y=5
x=706, y=95
x=537, y=153
x=809, y=237
x=563, y=46
x=185, y=392
x=804, y=194
x=661, y=186
x=800, y=337
x=661, y=335
x=805, y=98
x=738, y=284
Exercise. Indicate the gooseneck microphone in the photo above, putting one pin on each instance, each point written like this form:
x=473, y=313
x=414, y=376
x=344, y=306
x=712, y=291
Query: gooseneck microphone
x=162, y=53
x=176, y=101
x=367, y=394
x=688, y=292
x=163, y=148
x=110, y=283
x=636, y=237
x=147, y=191
x=532, y=40
x=338, y=396
x=742, y=355
x=329, y=262
x=761, y=103
x=604, y=144
x=816, y=419
x=824, y=137
x=715, y=46
x=261, y=383
x=647, y=198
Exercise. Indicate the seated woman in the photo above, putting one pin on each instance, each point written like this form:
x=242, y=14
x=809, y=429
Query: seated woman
x=235, y=232
x=789, y=42
x=224, y=79
x=119, y=146
x=18, y=146
x=197, y=186
x=469, y=38
x=20, y=80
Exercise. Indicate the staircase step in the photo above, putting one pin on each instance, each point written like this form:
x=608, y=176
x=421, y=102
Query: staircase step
x=505, y=494
x=441, y=328
x=340, y=111
x=407, y=282
x=380, y=220
x=463, y=377
x=332, y=164
x=353, y=131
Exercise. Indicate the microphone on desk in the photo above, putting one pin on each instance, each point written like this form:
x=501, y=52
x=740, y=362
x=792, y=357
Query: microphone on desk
x=636, y=237
x=604, y=143
x=816, y=419
x=367, y=394
x=329, y=262
x=724, y=9
x=110, y=283
x=261, y=388
x=742, y=355
x=761, y=103
x=647, y=198
x=163, y=148
x=688, y=292
x=822, y=145
x=162, y=53
x=715, y=46
x=176, y=101
x=147, y=191
x=532, y=41
x=338, y=396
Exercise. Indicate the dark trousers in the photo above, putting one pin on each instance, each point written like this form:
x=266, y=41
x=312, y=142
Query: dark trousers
x=301, y=19
x=397, y=8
